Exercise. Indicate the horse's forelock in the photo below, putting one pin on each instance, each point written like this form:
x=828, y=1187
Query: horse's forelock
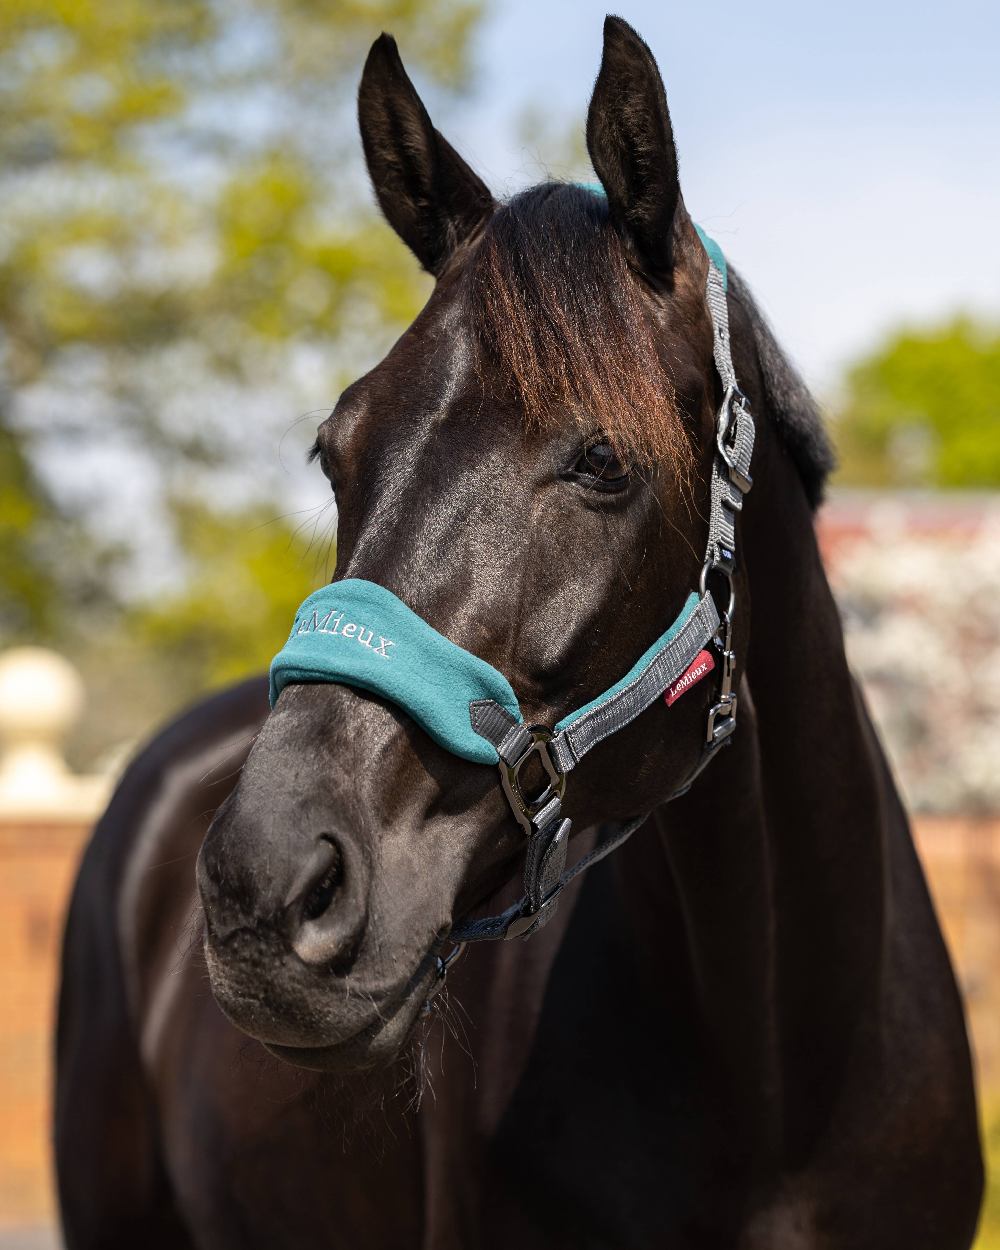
x=558, y=312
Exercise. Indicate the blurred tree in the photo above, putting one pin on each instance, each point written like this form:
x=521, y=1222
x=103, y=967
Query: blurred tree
x=176, y=211
x=27, y=585
x=188, y=253
x=924, y=410
x=245, y=574
x=47, y=560
x=233, y=611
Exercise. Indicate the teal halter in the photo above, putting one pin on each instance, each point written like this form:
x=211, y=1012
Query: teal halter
x=359, y=634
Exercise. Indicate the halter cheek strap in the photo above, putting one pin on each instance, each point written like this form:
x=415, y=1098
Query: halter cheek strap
x=358, y=633
x=700, y=624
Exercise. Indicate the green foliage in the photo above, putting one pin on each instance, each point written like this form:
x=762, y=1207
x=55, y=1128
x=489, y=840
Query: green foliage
x=76, y=77
x=27, y=591
x=246, y=574
x=170, y=172
x=924, y=410
x=47, y=561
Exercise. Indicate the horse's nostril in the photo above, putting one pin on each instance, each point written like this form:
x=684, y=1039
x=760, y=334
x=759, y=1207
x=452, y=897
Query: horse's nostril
x=326, y=908
x=320, y=896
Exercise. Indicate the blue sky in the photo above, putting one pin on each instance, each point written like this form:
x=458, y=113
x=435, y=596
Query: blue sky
x=846, y=156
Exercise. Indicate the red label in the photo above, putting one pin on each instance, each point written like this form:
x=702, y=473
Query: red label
x=700, y=667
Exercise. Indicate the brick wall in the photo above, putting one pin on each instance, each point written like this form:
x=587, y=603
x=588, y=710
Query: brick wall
x=961, y=857
x=37, y=864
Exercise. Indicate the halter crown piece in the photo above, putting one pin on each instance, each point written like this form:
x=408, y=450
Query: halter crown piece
x=360, y=634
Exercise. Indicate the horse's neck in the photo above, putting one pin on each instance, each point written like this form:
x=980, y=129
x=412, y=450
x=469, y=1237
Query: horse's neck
x=776, y=857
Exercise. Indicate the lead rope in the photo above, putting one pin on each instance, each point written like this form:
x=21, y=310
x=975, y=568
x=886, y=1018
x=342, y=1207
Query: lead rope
x=545, y=874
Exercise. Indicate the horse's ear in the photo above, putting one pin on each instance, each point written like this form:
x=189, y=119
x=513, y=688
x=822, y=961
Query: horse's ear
x=428, y=194
x=631, y=145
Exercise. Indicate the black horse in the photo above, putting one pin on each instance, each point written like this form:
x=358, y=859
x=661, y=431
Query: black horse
x=740, y=1031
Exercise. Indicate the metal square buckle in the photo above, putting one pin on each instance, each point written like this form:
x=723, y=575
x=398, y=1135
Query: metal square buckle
x=526, y=808
x=721, y=720
x=733, y=400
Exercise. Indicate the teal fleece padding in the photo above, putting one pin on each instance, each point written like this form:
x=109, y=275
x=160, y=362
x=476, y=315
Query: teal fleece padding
x=689, y=606
x=715, y=253
x=360, y=634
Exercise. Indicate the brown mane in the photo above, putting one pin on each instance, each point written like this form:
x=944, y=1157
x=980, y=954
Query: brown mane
x=558, y=311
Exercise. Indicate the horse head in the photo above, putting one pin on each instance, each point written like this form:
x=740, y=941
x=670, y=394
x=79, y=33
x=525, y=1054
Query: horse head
x=528, y=471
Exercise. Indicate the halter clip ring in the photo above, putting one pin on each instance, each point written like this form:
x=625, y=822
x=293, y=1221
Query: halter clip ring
x=707, y=569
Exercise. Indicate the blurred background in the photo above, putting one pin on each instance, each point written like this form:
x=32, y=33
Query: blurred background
x=191, y=268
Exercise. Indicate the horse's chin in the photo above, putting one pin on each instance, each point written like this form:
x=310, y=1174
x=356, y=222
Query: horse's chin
x=377, y=1043
x=370, y=1049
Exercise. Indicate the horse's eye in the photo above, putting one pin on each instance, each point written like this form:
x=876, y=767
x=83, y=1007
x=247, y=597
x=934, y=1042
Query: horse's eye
x=599, y=466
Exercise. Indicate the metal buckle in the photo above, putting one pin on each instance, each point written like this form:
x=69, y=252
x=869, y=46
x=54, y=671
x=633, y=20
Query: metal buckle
x=524, y=926
x=722, y=713
x=721, y=720
x=742, y=481
x=526, y=809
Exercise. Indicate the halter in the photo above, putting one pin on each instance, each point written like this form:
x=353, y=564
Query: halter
x=358, y=633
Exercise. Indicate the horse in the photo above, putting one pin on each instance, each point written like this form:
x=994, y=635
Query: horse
x=740, y=1030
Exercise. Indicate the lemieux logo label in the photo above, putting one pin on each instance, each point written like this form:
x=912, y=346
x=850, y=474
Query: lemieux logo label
x=334, y=623
x=700, y=667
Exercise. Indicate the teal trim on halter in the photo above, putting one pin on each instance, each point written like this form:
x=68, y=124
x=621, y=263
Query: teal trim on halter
x=359, y=634
x=715, y=253
x=689, y=606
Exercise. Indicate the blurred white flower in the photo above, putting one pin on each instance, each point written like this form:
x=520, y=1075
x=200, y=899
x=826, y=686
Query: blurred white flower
x=918, y=583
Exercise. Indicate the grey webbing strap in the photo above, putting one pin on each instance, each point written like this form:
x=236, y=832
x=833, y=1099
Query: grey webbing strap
x=715, y=296
x=734, y=436
x=526, y=916
x=491, y=721
x=569, y=746
x=494, y=723
x=669, y=663
x=514, y=743
x=546, y=861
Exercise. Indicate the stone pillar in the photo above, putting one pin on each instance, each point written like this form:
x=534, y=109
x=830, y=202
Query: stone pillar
x=41, y=697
